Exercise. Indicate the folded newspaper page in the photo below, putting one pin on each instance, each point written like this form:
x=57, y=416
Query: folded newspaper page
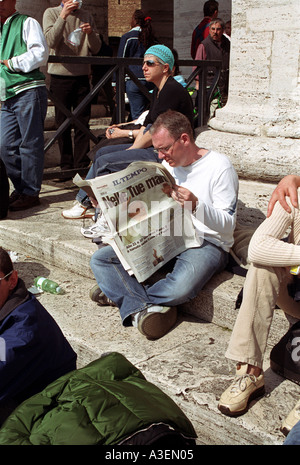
x=148, y=228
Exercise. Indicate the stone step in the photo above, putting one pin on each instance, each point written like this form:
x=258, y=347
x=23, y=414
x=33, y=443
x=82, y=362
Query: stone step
x=188, y=363
x=58, y=242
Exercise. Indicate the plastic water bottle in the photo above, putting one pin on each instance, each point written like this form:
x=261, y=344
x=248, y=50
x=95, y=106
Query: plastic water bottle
x=48, y=285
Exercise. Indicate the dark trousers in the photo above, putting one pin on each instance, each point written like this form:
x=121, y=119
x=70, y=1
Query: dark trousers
x=4, y=191
x=71, y=90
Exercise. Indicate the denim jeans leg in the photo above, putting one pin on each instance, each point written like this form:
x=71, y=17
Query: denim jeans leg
x=192, y=270
x=118, y=160
x=82, y=196
x=293, y=438
x=137, y=100
x=129, y=295
x=22, y=146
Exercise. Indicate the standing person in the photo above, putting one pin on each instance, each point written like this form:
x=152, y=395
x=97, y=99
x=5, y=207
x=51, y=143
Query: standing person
x=133, y=44
x=210, y=12
x=70, y=82
x=216, y=47
x=152, y=308
x=23, y=50
x=33, y=350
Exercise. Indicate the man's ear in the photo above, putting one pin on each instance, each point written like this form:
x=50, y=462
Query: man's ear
x=13, y=280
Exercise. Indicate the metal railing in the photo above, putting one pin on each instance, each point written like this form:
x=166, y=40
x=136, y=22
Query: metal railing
x=119, y=69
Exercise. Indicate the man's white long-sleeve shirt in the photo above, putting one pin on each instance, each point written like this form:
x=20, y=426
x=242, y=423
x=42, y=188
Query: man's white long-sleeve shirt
x=213, y=180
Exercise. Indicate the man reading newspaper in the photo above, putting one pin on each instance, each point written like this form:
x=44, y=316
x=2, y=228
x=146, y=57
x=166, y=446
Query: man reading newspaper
x=207, y=186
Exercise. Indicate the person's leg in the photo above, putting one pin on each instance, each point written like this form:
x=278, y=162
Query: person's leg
x=262, y=289
x=102, y=152
x=192, y=270
x=293, y=437
x=119, y=159
x=4, y=191
x=61, y=87
x=137, y=100
x=10, y=142
x=81, y=140
x=26, y=117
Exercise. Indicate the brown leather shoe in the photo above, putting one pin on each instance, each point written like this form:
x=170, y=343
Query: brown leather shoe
x=23, y=202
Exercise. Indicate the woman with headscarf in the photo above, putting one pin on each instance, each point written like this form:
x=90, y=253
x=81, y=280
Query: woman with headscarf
x=168, y=94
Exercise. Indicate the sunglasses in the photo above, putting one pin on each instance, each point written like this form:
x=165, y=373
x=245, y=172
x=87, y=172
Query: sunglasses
x=150, y=63
x=6, y=275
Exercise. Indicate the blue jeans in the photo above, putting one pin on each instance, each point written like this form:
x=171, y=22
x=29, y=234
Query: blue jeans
x=115, y=158
x=190, y=271
x=22, y=139
x=293, y=438
x=137, y=100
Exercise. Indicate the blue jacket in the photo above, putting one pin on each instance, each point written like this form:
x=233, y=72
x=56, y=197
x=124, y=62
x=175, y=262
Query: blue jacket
x=131, y=47
x=33, y=350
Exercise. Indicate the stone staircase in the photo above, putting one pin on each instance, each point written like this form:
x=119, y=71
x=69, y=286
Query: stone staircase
x=188, y=363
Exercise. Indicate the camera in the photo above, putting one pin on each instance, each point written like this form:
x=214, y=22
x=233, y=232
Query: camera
x=79, y=3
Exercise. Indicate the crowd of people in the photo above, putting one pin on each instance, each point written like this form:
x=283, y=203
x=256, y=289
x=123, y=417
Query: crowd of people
x=163, y=133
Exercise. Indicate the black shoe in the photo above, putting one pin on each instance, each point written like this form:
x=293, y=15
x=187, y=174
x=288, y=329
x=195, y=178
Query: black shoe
x=98, y=296
x=13, y=197
x=23, y=202
x=285, y=355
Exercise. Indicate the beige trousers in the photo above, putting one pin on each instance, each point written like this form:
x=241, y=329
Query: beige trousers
x=264, y=288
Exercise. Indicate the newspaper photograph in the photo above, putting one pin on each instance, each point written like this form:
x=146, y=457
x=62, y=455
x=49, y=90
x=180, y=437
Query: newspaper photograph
x=147, y=226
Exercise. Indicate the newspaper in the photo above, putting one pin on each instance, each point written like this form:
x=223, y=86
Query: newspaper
x=147, y=227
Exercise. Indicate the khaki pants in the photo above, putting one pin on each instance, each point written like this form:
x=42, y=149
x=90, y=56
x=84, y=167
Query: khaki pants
x=264, y=288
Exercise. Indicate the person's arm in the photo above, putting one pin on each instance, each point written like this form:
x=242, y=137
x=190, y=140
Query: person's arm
x=142, y=140
x=221, y=215
x=37, y=49
x=200, y=55
x=53, y=28
x=287, y=187
x=266, y=247
x=94, y=40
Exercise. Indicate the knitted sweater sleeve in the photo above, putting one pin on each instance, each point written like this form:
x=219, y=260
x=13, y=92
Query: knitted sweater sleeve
x=266, y=247
x=53, y=28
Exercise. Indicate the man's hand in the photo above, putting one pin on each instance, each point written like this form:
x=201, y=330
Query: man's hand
x=287, y=187
x=5, y=63
x=67, y=9
x=184, y=197
x=86, y=28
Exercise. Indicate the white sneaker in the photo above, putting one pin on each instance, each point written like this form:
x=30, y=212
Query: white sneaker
x=290, y=421
x=99, y=229
x=78, y=211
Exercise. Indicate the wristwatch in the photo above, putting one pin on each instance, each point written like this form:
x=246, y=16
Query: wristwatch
x=130, y=135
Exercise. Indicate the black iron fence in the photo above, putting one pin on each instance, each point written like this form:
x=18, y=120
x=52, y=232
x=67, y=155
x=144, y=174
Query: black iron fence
x=118, y=68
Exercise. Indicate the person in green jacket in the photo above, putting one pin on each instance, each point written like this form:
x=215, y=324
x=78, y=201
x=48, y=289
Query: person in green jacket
x=23, y=49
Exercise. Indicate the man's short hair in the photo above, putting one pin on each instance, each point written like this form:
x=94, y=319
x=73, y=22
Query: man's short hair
x=176, y=124
x=210, y=7
x=218, y=21
x=6, y=265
